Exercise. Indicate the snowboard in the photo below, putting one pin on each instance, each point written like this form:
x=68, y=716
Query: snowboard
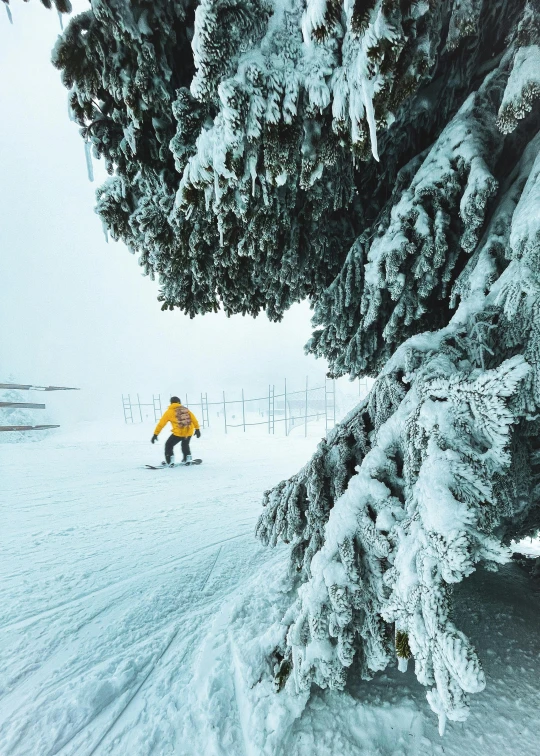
x=180, y=464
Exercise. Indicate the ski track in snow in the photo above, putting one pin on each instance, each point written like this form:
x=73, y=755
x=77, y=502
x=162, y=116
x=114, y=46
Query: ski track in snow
x=110, y=575
x=160, y=658
x=25, y=620
x=136, y=611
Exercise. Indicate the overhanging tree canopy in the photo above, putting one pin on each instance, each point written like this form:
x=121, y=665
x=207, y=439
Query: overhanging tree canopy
x=379, y=157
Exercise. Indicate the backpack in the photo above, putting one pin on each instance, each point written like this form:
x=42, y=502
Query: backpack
x=183, y=418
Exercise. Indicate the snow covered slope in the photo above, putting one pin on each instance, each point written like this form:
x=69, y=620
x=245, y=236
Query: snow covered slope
x=136, y=611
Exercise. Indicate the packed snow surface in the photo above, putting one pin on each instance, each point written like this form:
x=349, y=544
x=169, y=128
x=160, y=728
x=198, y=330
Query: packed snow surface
x=137, y=612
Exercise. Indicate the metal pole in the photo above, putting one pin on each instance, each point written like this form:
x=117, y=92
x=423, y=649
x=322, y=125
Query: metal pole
x=243, y=411
x=273, y=409
x=325, y=404
x=268, y=408
x=202, y=412
x=225, y=412
x=207, y=412
x=305, y=410
x=187, y=403
x=139, y=403
x=286, y=431
x=334, y=385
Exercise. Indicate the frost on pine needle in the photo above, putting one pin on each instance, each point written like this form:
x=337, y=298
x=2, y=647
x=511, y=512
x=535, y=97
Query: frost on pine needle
x=464, y=20
x=523, y=88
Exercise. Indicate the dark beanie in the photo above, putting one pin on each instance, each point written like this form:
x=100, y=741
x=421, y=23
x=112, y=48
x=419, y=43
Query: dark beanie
x=175, y=399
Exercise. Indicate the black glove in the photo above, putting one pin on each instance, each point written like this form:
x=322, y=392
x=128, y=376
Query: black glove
x=197, y=432
x=154, y=438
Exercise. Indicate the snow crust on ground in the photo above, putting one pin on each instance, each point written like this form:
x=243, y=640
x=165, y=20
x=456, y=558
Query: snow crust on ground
x=137, y=613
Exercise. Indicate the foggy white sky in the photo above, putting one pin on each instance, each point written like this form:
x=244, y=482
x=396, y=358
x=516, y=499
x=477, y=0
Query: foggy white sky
x=78, y=311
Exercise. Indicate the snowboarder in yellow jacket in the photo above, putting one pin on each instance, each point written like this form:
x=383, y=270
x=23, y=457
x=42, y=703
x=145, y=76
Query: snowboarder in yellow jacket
x=184, y=423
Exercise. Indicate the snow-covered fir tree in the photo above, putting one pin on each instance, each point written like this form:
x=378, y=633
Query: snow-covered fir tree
x=382, y=159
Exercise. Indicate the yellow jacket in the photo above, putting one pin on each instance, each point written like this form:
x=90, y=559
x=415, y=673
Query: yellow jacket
x=182, y=420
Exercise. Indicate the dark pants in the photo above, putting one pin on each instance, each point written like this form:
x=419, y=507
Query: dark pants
x=171, y=443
